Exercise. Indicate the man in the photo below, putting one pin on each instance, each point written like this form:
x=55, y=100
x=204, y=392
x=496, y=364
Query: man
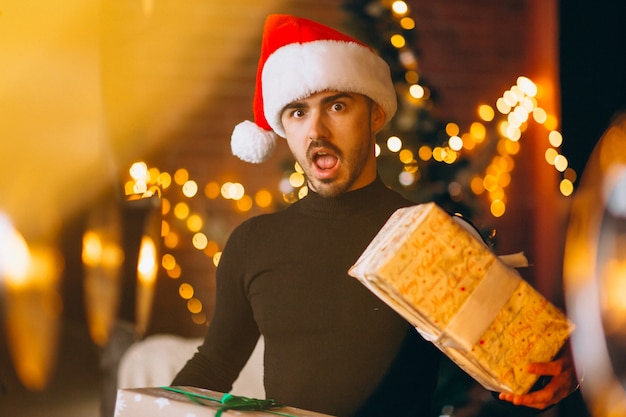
x=330, y=345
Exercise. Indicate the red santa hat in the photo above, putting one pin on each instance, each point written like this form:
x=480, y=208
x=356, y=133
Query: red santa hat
x=299, y=58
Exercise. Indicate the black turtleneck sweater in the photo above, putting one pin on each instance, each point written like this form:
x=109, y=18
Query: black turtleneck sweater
x=330, y=345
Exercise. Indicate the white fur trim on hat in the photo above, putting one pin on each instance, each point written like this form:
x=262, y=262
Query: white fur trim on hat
x=252, y=144
x=298, y=70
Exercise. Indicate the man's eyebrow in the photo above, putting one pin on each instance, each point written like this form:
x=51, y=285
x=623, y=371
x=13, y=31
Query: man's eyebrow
x=334, y=97
x=301, y=104
x=295, y=105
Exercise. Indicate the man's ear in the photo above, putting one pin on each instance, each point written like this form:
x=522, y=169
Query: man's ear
x=378, y=117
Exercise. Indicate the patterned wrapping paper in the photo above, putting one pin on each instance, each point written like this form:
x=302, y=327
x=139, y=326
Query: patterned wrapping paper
x=188, y=402
x=461, y=297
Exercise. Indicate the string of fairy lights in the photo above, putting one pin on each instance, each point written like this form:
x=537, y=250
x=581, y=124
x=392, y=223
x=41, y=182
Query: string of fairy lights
x=509, y=118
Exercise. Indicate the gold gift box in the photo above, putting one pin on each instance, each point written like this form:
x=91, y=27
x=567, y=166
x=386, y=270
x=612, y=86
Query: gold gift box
x=448, y=284
x=189, y=401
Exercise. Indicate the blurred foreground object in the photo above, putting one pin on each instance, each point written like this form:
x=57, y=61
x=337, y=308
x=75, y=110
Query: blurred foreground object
x=595, y=274
x=29, y=281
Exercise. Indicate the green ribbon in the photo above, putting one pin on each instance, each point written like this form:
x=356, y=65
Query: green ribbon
x=232, y=402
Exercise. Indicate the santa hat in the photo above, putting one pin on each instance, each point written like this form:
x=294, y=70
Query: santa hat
x=300, y=57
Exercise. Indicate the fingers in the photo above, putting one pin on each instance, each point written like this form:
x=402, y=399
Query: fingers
x=559, y=387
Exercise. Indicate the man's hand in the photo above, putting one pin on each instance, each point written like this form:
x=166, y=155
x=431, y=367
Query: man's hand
x=562, y=384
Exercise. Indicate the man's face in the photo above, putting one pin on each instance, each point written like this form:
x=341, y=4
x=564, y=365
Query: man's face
x=331, y=135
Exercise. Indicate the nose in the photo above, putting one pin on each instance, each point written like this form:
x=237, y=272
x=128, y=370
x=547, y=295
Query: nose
x=317, y=126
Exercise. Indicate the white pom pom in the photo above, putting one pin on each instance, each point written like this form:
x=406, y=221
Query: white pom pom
x=252, y=144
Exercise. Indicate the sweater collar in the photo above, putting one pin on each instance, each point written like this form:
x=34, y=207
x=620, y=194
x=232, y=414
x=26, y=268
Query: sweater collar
x=345, y=204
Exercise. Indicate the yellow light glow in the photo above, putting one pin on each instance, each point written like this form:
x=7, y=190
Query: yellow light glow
x=153, y=175
x=478, y=131
x=263, y=198
x=540, y=115
x=198, y=319
x=181, y=176
x=398, y=41
x=165, y=228
x=528, y=105
x=32, y=308
x=438, y=154
x=455, y=143
x=129, y=187
x=302, y=192
x=511, y=147
x=394, y=143
x=195, y=223
x=566, y=187
x=216, y=258
x=139, y=187
x=194, y=306
x=199, y=241
x=551, y=122
x=527, y=86
x=497, y=194
x=171, y=240
x=551, y=155
x=181, y=210
x=185, y=291
x=147, y=262
x=411, y=167
x=92, y=249
x=212, y=190
x=296, y=180
x=485, y=112
x=517, y=93
x=560, y=163
x=417, y=91
x=490, y=182
x=555, y=138
x=165, y=206
x=139, y=171
x=399, y=7
x=407, y=23
x=14, y=254
x=469, y=142
x=425, y=152
x=513, y=133
x=211, y=248
x=232, y=190
x=509, y=98
x=476, y=185
x=165, y=180
x=405, y=156
x=452, y=129
x=298, y=168
x=502, y=106
x=411, y=77
x=244, y=204
x=168, y=262
x=497, y=208
x=175, y=272
x=190, y=188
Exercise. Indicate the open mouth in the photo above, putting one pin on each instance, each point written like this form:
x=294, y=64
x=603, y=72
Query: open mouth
x=324, y=160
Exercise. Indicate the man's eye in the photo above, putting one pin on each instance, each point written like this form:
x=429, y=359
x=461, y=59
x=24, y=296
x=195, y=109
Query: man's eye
x=297, y=113
x=337, y=107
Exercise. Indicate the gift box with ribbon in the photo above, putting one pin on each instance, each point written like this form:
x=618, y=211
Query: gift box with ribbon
x=473, y=306
x=198, y=402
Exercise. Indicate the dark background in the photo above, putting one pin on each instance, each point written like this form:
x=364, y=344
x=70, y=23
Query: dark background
x=593, y=72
